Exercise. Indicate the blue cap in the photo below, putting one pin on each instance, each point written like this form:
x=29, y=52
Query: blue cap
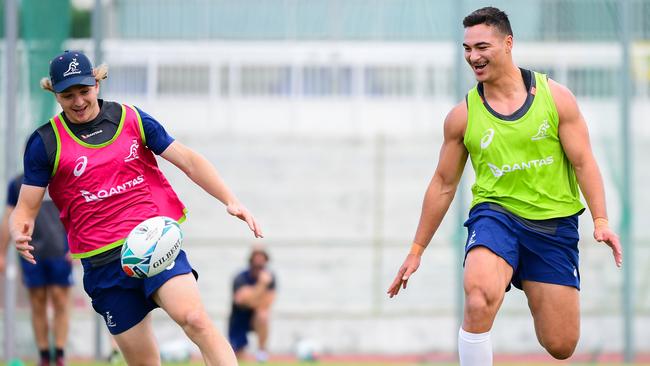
x=71, y=68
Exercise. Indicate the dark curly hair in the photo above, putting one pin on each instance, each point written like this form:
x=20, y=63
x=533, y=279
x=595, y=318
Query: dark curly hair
x=489, y=16
x=258, y=251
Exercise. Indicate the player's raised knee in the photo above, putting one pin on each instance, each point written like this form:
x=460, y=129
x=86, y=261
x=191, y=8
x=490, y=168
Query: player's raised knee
x=480, y=301
x=476, y=300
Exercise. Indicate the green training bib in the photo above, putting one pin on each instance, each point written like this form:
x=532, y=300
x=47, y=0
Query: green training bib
x=518, y=159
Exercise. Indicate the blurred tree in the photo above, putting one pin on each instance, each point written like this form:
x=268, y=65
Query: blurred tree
x=80, y=22
x=44, y=26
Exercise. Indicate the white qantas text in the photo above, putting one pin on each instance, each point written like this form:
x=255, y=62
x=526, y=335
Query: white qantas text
x=105, y=193
x=507, y=168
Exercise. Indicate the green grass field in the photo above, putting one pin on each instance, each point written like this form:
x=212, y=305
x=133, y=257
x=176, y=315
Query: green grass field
x=375, y=364
x=343, y=363
x=353, y=364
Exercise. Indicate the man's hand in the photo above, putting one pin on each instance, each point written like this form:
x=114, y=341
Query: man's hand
x=22, y=240
x=238, y=210
x=606, y=235
x=264, y=277
x=410, y=265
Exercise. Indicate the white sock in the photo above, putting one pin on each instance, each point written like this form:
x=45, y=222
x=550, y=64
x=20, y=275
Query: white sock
x=474, y=349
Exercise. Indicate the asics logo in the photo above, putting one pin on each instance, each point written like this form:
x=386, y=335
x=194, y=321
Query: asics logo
x=80, y=166
x=487, y=138
x=499, y=171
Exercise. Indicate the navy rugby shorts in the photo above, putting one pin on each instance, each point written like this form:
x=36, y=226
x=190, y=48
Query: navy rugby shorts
x=47, y=272
x=124, y=301
x=537, y=250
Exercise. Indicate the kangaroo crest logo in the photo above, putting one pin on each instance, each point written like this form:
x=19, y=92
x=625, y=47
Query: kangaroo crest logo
x=133, y=151
x=109, y=319
x=472, y=239
x=72, y=68
x=542, y=132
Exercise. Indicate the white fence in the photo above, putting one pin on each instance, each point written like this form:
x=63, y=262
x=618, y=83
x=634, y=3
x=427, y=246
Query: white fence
x=332, y=145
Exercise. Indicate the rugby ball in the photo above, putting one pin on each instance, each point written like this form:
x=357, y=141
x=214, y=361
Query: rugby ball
x=151, y=247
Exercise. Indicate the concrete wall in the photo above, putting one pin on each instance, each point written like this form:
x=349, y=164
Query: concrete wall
x=337, y=187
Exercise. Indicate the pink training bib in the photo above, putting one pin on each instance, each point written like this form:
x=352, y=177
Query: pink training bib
x=103, y=191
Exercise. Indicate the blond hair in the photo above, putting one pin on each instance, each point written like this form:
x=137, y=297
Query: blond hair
x=100, y=72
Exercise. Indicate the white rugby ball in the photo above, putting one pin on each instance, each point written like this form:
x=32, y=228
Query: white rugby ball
x=151, y=247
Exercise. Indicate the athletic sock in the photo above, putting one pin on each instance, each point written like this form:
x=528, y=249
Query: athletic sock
x=474, y=349
x=59, y=359
x=45, y=356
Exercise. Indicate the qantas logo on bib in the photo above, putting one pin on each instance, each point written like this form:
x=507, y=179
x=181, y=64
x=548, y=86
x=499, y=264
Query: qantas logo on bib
x=499, y=171
x=118, y=189
x=133, y=151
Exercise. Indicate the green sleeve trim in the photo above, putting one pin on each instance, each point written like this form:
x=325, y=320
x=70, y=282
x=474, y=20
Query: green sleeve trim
x=58, y=146
x=543, y=86
x=471, y=103
x=184, y=217
x=98, y=146
x=140, y=126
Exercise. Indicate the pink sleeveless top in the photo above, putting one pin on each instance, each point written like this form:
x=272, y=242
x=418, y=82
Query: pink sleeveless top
x=103, y=191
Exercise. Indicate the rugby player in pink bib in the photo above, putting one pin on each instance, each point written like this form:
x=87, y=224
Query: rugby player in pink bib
x=97, y=160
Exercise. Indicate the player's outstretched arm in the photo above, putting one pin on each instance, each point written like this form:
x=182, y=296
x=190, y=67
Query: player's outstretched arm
x=439, y=194
x=574, y=136
x=21, y=221
x=205, y=175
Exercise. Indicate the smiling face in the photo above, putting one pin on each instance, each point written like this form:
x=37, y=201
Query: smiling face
x=487, y=51
x=79, y=103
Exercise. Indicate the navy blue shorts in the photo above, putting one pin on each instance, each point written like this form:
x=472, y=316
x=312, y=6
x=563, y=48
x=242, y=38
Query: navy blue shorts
x=124, y=301
x=537, y=250
x=47, y=272
x=239, y=325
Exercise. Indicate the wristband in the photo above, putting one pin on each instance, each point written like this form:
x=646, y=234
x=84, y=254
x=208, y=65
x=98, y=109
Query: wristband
x=417, y=249
x=600, y=222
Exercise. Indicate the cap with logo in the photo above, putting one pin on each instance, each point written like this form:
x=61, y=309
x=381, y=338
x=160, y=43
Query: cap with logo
x=71, y=68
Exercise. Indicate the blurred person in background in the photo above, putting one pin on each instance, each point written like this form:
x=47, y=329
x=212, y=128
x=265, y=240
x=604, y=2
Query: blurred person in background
x=114, y=355
x=529, y=147
x=97, y=161
x=49, y=280
x=253, y=294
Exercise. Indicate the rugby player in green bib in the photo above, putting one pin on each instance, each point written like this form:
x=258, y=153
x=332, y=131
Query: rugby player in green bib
x=529, y=147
